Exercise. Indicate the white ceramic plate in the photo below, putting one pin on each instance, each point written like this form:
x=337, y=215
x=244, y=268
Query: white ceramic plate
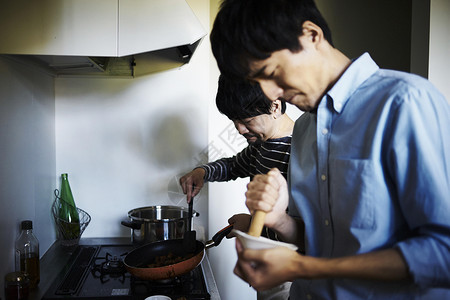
x=258, y=243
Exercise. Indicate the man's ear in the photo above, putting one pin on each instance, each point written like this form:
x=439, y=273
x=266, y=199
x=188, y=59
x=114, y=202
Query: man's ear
x=312, y=32
x=276, y=108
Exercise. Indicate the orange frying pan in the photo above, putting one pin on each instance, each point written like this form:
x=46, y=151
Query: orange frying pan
x=139, y=261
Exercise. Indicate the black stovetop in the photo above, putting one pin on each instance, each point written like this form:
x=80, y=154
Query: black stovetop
x=96, y=272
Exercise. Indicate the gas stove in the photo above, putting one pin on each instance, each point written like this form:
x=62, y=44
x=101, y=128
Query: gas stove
x=98, y=272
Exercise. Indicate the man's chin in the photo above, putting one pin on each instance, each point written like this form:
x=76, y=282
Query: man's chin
x=253, y=141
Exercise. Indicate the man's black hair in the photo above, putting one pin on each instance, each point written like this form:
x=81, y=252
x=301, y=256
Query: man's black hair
x=246, y=30
x=240, y=99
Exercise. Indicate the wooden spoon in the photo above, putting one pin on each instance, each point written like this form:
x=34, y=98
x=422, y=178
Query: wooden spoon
x=257, y=224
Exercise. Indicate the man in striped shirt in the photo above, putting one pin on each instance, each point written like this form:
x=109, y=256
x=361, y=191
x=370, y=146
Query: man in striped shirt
x=262, y=122
x=268, y=131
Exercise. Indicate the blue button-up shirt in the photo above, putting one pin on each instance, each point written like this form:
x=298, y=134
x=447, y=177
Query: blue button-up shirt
x=370, y=170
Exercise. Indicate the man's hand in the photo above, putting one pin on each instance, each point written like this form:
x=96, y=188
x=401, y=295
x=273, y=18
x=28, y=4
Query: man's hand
x=265, y=269
x=240, y=222
x=268, y=193
x=192, y=183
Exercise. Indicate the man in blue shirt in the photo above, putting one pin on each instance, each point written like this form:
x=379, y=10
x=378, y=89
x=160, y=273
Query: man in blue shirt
x=369, y=175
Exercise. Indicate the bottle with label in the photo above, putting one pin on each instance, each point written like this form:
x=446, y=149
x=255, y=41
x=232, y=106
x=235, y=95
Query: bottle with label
x=27, y=253
x=68, y=212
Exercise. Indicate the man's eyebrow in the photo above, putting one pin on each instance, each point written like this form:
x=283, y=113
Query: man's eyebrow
x=257, y=73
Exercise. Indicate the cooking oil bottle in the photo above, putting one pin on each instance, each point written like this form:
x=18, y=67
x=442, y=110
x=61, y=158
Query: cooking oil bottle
x=27, y=253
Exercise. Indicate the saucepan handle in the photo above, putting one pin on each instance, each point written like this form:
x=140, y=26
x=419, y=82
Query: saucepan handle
x=131, y=224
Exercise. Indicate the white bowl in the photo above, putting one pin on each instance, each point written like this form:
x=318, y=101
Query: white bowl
x=158, y=297
x=259, y=243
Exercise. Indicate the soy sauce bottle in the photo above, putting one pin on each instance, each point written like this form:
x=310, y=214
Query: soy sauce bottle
x=27, y=253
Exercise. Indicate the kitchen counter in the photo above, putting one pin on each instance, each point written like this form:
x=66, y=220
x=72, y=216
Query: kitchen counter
x=57, y=256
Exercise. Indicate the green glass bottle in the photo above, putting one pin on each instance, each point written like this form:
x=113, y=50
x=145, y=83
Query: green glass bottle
x=68, y=211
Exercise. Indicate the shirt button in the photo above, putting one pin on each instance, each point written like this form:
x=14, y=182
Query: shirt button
x=324, y=131
x=327, y=222
x=323, y=177
x=338, y=106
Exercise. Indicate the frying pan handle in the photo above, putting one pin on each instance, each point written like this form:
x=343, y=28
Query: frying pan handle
x=218, y=237
x=131, y=224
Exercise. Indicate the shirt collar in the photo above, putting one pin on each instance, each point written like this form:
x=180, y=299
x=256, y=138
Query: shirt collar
x=358, y=72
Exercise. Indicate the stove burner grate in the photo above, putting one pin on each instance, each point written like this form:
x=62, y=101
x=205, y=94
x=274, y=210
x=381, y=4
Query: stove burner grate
x=111, y=266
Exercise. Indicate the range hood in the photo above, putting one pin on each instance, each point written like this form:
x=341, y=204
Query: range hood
x=100, y=37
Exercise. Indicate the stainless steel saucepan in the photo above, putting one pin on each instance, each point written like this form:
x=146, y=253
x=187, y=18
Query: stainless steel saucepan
x=157, y=223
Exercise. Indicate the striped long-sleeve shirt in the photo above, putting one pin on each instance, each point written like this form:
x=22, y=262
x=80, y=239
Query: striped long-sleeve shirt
x=257, y=158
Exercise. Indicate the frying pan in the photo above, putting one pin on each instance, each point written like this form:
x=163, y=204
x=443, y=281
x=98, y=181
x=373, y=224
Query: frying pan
x=137, y=261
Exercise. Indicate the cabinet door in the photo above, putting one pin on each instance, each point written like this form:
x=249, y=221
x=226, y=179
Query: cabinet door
x=142, y=30
x=55, y=27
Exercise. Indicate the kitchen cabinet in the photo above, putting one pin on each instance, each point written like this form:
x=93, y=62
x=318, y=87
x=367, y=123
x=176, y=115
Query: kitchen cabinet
x=100, y=37
x=53, y=27
x=96, y=27
x=184, y=28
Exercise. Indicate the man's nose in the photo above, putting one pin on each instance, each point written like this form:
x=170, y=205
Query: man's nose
x=241, y=128
x=271, y=89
